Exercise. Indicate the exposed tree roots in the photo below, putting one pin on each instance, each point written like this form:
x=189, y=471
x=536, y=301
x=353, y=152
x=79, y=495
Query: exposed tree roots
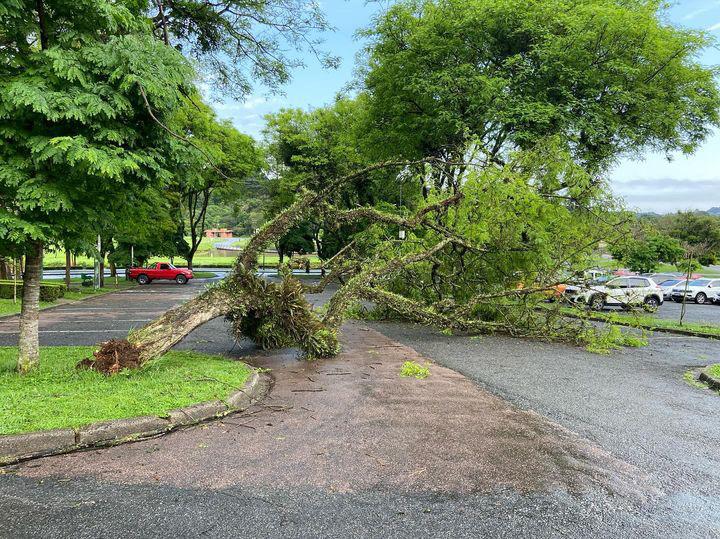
x=112, y=357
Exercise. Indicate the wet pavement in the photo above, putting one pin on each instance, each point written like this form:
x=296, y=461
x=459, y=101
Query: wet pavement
x=704, y=314
x=509, y=438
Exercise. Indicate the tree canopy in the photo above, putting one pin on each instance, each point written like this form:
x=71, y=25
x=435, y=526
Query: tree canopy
x=241, y=43
x=479, y=78
x=82, y=92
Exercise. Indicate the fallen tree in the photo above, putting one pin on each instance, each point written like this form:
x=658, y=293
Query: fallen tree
x=437, y=275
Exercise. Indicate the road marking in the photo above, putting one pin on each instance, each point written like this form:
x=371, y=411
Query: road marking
x=101, y=321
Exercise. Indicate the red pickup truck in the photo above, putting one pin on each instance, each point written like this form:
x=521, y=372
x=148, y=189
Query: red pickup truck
x=160, y=270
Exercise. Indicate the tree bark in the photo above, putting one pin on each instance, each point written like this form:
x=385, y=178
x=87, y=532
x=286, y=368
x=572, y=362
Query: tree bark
x=162, y=334
x=42, y=24
x=68, y=264
x=4, y=269
x=29, y=341
x=101, y=270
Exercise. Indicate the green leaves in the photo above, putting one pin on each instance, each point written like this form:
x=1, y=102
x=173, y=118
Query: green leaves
x=75, y=136
x=608, y=77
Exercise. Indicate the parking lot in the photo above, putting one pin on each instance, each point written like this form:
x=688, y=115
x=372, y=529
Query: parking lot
x=706, y=314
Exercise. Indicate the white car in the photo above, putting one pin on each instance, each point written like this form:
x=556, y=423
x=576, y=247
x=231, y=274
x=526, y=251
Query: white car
x=700, y=291
x=668, y=285
x=623, y=292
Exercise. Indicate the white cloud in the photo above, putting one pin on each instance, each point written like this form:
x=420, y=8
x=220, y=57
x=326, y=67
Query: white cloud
x=253, y=102
x=698, y=12
x=668, y=194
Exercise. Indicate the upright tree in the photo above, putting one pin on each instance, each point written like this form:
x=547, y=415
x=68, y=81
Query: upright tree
x=81, y=91
x=476, y=79
x=218, y=164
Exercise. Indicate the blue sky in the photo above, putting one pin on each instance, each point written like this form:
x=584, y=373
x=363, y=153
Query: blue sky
x=653, y=184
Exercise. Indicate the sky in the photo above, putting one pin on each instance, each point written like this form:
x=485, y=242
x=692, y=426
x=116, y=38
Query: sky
x=650, y=184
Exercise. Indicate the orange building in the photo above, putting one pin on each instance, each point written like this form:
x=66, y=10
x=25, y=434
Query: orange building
x=218, y=233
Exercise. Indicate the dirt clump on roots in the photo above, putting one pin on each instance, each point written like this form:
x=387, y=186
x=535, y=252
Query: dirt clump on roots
x=112, y=357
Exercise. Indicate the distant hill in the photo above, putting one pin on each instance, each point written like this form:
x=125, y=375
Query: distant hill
x=711, y=211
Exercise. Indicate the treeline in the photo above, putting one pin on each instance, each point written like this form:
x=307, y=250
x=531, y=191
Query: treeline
x=686, y=239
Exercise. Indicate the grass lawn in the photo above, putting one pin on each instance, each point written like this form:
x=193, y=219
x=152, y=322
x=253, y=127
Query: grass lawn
x=204, y=274
x=59, y=396
x=205, y=256
x=714, y=370
x=645, y=321
x=8, y=307
x=611, y=264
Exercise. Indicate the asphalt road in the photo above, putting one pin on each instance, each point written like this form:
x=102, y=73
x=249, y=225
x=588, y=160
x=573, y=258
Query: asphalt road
x=708, y=314
x=633, y=403
x=632, y=406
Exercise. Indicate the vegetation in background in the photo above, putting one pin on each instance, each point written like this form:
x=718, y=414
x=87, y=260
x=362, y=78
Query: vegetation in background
x=644, y=321
x=645, y=252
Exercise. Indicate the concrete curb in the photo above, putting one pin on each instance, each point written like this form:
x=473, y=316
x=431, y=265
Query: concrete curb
x=709, y=379
x=15, y=448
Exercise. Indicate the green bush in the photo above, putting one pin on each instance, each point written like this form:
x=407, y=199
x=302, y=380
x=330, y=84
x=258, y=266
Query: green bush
x=48, y=292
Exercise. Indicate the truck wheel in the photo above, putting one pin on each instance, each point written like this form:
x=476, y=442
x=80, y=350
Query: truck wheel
x=181, y=279
x=701, y=298
x=143, y=279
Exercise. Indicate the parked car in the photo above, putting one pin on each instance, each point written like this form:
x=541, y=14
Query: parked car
x=160, y=271
x=622, y=292
x=660, y=277
x=700, y=291
x=668, y=285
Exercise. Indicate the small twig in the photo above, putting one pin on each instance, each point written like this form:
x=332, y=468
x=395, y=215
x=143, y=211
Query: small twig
x=307, y=390
x=238, y=424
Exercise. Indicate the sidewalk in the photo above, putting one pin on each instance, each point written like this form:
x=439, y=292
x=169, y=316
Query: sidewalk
x=352, y=424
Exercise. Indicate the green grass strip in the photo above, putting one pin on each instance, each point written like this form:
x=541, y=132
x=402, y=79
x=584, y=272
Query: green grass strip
x=649, y=322
x=57, y=395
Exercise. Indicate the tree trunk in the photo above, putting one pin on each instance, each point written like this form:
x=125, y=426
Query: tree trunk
x=68, y=264
x=101, y=270
x=42, y=24
x=4, y=269
x=29, y=341
x=162, y=334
